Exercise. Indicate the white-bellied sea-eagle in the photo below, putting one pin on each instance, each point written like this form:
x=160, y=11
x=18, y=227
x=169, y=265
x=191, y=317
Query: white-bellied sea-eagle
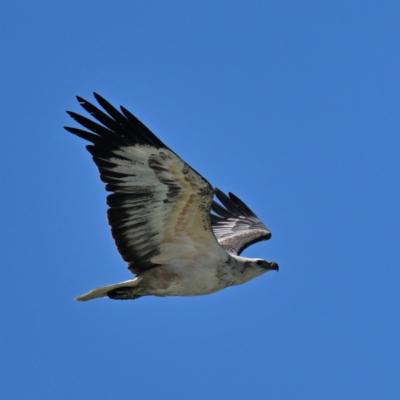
x=160, y=214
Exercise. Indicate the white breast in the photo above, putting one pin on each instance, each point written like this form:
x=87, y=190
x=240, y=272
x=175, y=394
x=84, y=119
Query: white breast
x=187, y=276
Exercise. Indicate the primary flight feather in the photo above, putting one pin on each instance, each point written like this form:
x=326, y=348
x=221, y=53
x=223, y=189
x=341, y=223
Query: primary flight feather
x=160, y=213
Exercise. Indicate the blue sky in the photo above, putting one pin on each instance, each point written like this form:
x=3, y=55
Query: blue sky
x=294, y=107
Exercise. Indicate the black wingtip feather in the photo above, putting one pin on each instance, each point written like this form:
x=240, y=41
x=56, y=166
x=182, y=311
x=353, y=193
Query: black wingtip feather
x=241, y=206
x=219, y=210
x=124, y=126
x=112, y=111
x=233, y=205
x=142, y=129
x=226, y=202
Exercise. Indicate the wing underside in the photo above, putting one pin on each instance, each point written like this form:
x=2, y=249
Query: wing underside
x=159, y=208
x=235, y=226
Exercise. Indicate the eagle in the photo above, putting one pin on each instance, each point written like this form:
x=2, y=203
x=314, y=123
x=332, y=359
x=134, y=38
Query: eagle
x=176, y=240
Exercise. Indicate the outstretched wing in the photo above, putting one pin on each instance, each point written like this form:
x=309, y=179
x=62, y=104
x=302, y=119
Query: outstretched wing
x=235, y=225
x=160, y=207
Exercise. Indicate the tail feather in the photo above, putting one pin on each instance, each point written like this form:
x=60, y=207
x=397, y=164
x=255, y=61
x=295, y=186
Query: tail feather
x=102, y=291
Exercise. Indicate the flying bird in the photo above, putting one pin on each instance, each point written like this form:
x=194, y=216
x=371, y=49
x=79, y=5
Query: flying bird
x=175, y=238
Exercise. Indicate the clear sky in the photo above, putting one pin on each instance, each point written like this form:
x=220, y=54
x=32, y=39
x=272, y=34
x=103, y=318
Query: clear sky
x=294, y=107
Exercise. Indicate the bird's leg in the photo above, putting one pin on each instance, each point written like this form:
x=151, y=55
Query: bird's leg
x=125, y=293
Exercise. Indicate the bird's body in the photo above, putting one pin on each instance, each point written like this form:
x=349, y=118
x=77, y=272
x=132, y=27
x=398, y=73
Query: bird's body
x=183, y=277
x=160, y=214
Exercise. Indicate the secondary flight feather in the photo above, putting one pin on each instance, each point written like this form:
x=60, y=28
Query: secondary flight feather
x=160, y=213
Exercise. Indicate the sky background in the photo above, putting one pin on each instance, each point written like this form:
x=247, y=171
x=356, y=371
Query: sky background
x=294, y=107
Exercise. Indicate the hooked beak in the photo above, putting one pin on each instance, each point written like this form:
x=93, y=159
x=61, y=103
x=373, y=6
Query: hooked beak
x=273, y=266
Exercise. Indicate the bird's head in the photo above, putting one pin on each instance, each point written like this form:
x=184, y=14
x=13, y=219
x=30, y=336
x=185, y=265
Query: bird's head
x=264, y=265
x=254, y=267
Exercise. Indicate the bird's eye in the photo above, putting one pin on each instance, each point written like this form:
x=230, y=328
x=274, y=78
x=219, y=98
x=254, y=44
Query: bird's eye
x=259, y=262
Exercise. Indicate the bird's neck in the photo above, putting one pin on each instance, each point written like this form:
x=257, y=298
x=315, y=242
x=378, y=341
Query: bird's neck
x=245, y=269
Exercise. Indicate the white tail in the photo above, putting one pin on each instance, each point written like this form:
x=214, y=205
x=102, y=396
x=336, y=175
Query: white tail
x=102, y=291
